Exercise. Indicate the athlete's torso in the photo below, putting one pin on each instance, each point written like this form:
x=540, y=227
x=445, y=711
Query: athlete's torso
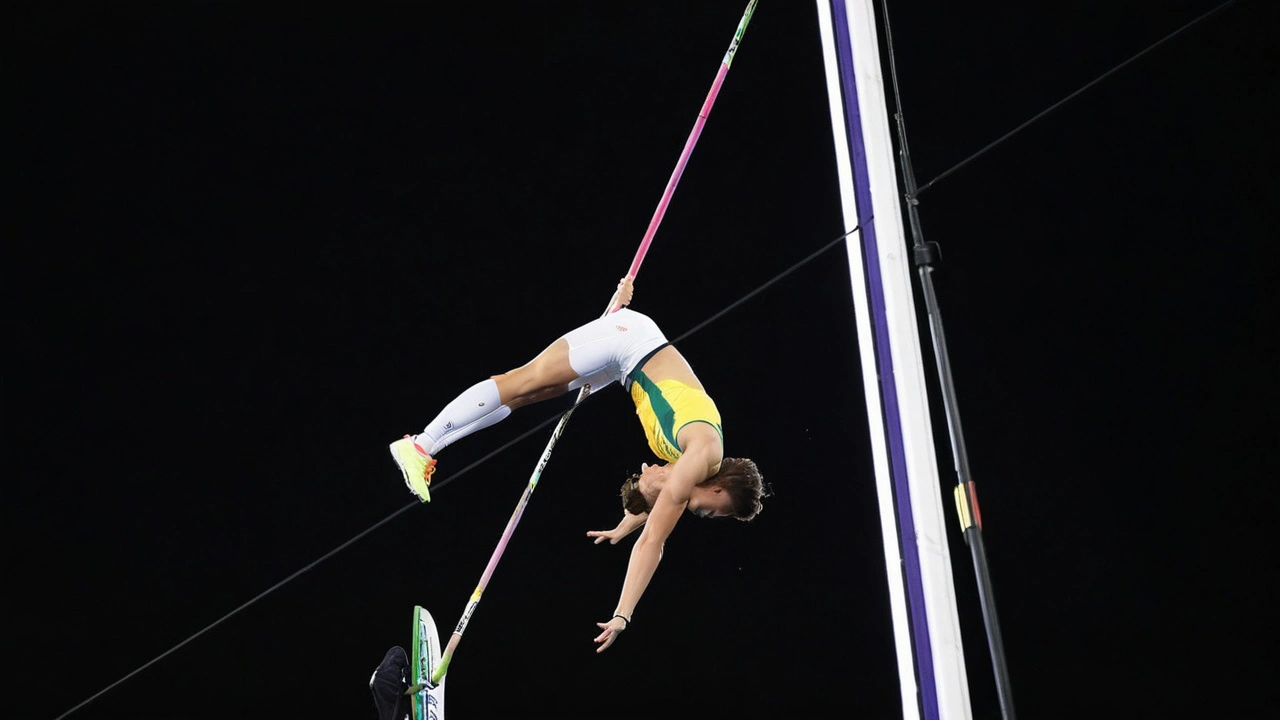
x=668, y=397
x=669, y=364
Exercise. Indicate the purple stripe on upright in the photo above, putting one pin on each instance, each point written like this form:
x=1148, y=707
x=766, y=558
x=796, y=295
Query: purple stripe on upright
x=884, y=361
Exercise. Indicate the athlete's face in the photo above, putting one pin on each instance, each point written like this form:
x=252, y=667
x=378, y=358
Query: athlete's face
x=649, y=482
x=703, y=501
x=651, y=477
x=634, y=498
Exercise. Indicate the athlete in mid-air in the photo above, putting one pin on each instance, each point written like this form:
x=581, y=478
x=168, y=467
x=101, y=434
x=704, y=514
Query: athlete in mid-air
x=679, y=418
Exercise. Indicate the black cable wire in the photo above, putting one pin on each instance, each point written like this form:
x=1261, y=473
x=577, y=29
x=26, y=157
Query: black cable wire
x=443, y=482
x=1068, y=98
x=761, y=288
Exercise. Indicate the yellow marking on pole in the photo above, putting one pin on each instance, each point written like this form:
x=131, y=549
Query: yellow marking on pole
x=962, y=508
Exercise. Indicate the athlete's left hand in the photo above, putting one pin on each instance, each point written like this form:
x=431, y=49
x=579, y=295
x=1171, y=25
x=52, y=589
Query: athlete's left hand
x=611, y=630
x=622, y=297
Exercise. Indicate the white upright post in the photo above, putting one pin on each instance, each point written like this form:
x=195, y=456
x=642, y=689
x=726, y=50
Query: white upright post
x=930, y=654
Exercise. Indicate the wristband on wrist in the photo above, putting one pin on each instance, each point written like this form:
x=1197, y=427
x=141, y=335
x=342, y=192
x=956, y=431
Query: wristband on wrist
x=626, y=621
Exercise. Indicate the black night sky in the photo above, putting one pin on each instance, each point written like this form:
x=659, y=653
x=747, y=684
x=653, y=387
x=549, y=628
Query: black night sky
x=252, y=244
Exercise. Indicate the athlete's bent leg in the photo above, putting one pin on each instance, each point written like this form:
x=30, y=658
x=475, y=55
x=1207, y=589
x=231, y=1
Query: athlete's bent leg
x=546, y=376
x=597, y=353
x=488, y=402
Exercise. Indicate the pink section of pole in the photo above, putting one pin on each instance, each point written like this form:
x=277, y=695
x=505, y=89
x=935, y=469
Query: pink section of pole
x=675, y=175
x=502, y=544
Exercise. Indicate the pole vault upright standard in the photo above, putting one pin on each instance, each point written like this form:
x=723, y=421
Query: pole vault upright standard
x=443, y=667
x=922, y=600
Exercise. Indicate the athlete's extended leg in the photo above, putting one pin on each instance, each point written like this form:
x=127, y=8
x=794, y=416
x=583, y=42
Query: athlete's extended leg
x=546, y=376
x=598, y=353
x=490, y=401
x=487, y=402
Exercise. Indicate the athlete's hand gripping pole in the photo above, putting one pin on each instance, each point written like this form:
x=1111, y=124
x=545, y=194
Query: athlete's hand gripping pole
x=586, y=389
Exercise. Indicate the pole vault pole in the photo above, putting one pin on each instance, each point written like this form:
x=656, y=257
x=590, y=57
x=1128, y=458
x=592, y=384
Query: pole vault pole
x=658, y=213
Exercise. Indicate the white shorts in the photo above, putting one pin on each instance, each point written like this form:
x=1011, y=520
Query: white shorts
x=608, y=349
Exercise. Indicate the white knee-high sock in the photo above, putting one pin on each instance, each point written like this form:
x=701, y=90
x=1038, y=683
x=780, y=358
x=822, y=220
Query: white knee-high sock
x=476, y=408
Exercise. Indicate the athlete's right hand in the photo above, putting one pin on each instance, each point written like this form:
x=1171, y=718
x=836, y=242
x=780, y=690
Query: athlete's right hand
x=613, y=536
x=626, y=526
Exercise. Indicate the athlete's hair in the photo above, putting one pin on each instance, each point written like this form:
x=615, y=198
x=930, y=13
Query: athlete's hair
x=632, y=501
x=739, y=477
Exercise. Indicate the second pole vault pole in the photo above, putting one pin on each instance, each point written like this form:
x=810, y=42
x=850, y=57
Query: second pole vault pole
x=661, y=210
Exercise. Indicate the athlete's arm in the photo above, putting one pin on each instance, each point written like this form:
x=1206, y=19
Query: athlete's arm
x=686, y=472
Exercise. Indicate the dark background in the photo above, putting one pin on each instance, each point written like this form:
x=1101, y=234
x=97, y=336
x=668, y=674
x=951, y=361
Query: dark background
x=252, y=246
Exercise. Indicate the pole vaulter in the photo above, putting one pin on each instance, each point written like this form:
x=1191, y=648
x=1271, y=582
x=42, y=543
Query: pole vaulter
x=429, y=668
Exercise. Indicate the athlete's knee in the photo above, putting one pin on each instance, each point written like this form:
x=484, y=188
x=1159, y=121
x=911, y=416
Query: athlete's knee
x=542, y=393
x=516, y=400
x=546, y=376
x=521, y=386
x=511, y=384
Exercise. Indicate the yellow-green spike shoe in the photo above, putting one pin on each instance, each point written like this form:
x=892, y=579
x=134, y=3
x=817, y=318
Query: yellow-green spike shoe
x=416, y=464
